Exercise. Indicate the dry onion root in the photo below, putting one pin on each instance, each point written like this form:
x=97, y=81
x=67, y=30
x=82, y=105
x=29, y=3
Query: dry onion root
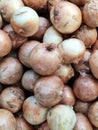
x=66, y=17
x=7, y=8
x=25, y=21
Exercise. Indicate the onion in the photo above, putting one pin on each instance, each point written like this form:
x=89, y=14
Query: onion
x=81, y=107
x=33, y=112
x=1, y=22
x=87, y=35
x=65, y=72
x=44, y=126
x=12, y=98
x=79, y=2
x=22, y=124
x=86, y=88
x=48, y=90
x=10, y=70
x=95, y=46
x=83, y=66
x=72, y=50
x=93, y=63
x=68, y=97
x=66, y=17
x=61, y=117
x=5, y=43
x=37, y=5
x=16, y=39
x=52, y=36
x=45, y=58
x=7, y=120
x=93, y=113
x=7, y=8
x=25, y=21
x=25, y=51
x=90, y=13
x=43, y=26
x=28, y=80
x=82, y=123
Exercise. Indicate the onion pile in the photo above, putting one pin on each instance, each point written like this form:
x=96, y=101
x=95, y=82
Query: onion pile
x=49, y=65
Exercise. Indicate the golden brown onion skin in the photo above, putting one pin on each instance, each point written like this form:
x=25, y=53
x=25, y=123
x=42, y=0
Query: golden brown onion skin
x=16, y=39
x=86, y=88
x=93, y=62
x=22, y=124
x=37, y=5
x=95, y=46
x=1, y=21
x=10, y=70
x=12, y=98
x=82, y=122
x=68, y=97
x=66, y=17
x=33, y=112
x=7, y=120
x=93, y=113
x=5, y=43
x=48, y=90
x=28, y=80
x=90, y=13
x=25, y=51
x=87, y=35
x=45, y=58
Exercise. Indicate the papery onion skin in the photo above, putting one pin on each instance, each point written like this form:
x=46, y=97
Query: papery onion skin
x=66, y=17
x=25, y=21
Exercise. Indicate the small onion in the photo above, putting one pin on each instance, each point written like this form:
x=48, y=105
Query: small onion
x=68, y=97
x=10, y=70
x=28, y=80
x=82, y=122
x=5, y=43
x=93, y=113
x=7, y=120
x=12, y=98
x=33, y=112
x=65, y=72
x=37, y=5
x=48, y=90
x=66, y=17
x=1, y=22
x=7, y=8
x=81, y=107
x=25, y=21
x=52, y=36
x=90, y=13
x=83, y=66
x=61, y=117
x=45, y=58
x=25, y=51
x=86, y=88
x=72, y=50
x=22, y=124
x=87, y=35
x=93, y=63
x=43, y=26
x=16, y=39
